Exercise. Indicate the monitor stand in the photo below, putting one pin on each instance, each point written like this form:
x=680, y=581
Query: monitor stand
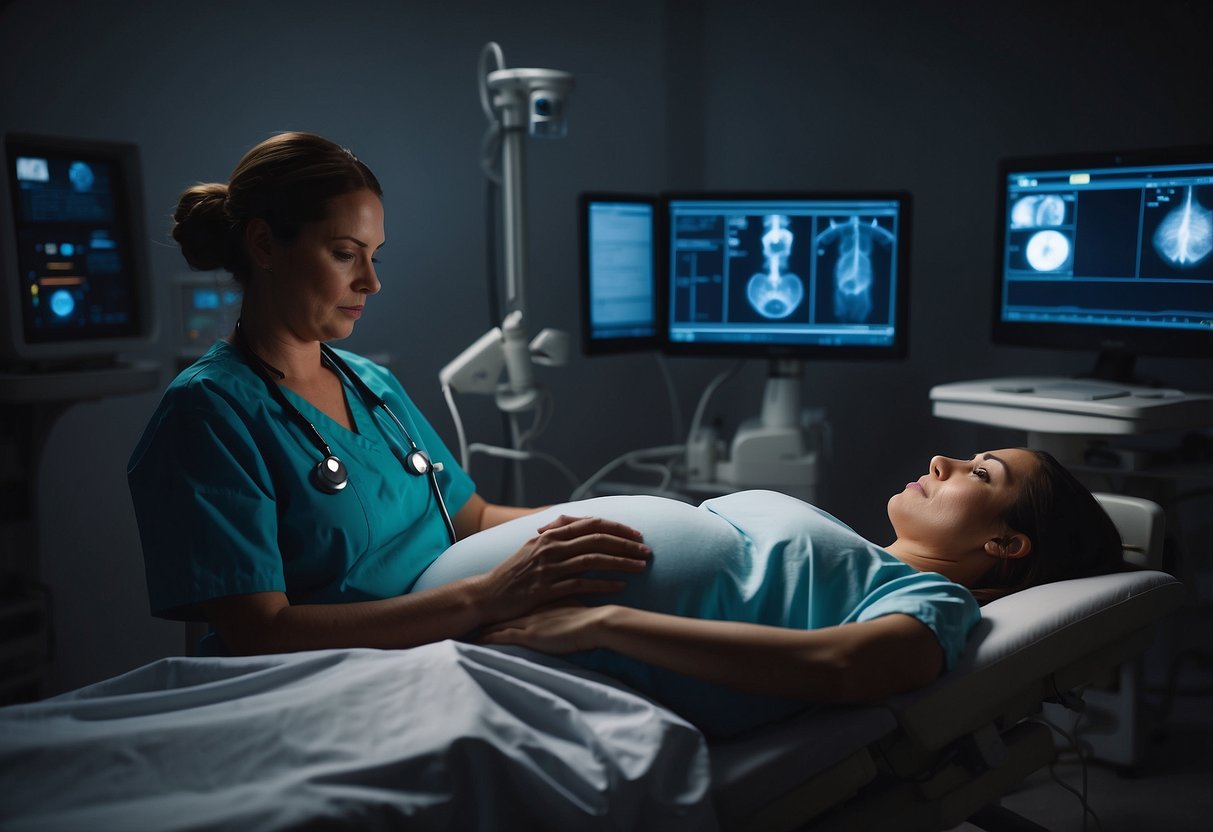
x=781, y=448
x=1115, y=365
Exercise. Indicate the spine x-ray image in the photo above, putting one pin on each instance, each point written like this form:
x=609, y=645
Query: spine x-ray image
x=775, y=293
x=849, y=243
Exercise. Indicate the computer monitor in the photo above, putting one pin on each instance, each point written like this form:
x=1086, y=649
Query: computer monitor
x=787, y=275
x=1107, y=252
x=619, y=298
x=75, y=288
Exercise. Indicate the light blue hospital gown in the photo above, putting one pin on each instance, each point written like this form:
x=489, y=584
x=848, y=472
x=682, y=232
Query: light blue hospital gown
x=754, y=556
x=226, y=505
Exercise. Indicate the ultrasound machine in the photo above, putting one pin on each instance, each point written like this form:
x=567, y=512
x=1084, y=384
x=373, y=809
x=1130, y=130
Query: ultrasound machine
x=780, y=276
x=1110, y=253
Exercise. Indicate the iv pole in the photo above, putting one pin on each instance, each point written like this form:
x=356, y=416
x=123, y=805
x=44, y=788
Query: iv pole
x=518, y=102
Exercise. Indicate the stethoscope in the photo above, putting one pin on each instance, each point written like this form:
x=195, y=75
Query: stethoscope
x=330, y=475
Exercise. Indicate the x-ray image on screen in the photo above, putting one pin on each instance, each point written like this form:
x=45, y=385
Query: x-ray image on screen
x=775, y=292
x=1041, y=235
x=769, y=261
x=1042, y=210
x=1041, y=251
x=1107, y=251
x=854, y=263
x=787, y=273
x=1178, y=226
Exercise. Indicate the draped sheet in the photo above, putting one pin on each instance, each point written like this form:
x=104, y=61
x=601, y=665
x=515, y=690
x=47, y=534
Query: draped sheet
x=444, y=736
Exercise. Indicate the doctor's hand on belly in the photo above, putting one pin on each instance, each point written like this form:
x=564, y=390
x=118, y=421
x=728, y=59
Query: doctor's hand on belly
x=552, y=566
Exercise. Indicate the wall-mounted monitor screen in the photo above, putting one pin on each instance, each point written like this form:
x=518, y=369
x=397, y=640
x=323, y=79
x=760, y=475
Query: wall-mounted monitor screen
x=619, y=296
x=74, y=274
x=1107, y=252
x=787, y=274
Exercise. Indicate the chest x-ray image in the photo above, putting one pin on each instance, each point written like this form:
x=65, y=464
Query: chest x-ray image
x=1038, y=210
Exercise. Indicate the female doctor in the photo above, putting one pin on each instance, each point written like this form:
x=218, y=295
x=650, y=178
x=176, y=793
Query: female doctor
x=289, y=494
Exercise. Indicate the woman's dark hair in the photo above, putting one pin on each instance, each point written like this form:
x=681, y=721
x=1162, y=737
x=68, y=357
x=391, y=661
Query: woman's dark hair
x=1072, y=536
x=287, y=180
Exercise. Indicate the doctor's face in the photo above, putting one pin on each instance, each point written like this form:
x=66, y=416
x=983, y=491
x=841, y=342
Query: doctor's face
x=324, y=276
x=960, y=504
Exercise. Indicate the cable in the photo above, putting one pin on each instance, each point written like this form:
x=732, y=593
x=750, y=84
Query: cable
x=720, y=379
x=490, y=150
x=666, y=471
x=519, y=485
x=490, y=48
x=662, y=450
x=465, y=456
x=489, y=147
x=523, y=456
x=490, y=144
x=1071, y=737
x=675, y=407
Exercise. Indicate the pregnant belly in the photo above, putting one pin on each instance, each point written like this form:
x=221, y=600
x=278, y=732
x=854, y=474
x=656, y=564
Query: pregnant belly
x=700, y=561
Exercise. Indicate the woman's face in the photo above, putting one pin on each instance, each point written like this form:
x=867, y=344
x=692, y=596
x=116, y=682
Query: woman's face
x=322, y=278
x=959, y=504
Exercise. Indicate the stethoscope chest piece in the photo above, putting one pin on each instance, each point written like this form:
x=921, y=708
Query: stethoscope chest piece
x=331, y=475
x=417, y=463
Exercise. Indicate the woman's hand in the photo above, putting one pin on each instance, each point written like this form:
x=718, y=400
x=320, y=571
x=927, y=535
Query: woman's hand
x=551, y=566
x=562, y=629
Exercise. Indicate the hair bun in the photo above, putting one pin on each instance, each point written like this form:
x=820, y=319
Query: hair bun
x=201, y=227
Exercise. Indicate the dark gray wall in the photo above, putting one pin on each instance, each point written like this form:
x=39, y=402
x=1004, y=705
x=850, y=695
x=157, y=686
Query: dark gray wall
x=678, y=94
x=927, y=97
x=195, y=84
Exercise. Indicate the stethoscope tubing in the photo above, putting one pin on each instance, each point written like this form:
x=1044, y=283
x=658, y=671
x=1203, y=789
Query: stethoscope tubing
x=417, y=462
x=431, y=471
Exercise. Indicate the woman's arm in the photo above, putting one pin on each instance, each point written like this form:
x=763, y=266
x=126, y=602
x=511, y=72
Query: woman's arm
x=548, y=568
x=477, y=515
x=860, y=662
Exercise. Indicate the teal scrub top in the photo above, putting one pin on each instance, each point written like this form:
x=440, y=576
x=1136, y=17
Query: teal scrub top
x=226, y=504
x=754, y=556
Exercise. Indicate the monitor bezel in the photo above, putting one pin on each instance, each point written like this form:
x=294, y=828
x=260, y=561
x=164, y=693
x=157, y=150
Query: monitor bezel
x=613, y=346
x=15, y=350
x=1103, y=340
x=898, y=349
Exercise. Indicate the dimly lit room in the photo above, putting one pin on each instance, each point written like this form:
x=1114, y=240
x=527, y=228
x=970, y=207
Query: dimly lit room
x=808, y=426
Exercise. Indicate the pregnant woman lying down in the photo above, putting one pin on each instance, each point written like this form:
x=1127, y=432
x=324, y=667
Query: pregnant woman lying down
x=755, y=604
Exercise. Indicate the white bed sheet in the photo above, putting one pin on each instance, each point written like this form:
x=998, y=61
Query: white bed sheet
x=445, y=736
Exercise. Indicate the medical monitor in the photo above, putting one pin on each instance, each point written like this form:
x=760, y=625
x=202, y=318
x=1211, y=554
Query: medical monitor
x=75, y=288
x=619, y=296
x=787, y=275
x=1107, y=252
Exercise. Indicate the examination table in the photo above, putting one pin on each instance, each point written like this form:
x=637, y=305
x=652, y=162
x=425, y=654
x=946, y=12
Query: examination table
x=460, y=736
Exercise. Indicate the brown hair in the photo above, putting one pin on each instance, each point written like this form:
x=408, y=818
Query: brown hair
x=286, y=180
x=1072, y=536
